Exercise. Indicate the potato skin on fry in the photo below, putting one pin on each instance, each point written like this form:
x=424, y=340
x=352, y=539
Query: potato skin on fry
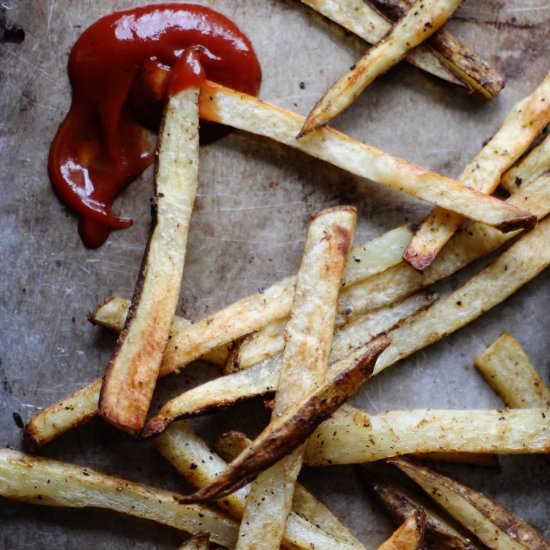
x=195, y=461
x=401, y=503
x=474, y=72
x=494, y=525
x=294, y=429
x=308, y=339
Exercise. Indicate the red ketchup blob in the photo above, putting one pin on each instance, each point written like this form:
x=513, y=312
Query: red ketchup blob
x=121, y=74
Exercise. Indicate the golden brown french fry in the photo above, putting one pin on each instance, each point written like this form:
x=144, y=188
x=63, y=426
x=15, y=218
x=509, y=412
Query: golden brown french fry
x=308, y=340
x=465, y=64
x=519, y=129
x=507, y=369
x=200, y=542
x=409, y=536
x=491, y=523
x=422, y=20
x=230, y=444
x=533, y=165
x=51, y=483
x=237, y=320
x=288, y=432
x=244, y=112
x=358, y=17
x=353, y=437
x=132, y=372
x=193, y=459
x=401, y=503
x=394, y=284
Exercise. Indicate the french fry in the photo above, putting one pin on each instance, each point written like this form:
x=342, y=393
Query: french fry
x=519, y=129
x=422, y=20
x=409, y=536
x=358, y=17
x=132, y=372
x=288, y=432
x=200, y=542
x=465, y=64
x=193, y=459
x=533, y=165
x=353, y=437
x=401, y=503
x=51, y=483
x=451, y=58
x=358, y=331
x=507, y=369
x=256, y=347
x=244, y=112
x=308, y=341
x=491, y=523
x=230, y=444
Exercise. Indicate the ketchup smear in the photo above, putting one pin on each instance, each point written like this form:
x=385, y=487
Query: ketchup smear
x=120, y=75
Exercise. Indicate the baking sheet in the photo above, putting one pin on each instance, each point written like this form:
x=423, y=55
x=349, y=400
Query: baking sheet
x=248, y=230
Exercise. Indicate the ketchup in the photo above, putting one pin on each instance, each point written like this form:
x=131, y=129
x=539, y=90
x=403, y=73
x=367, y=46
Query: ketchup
x=121, y=74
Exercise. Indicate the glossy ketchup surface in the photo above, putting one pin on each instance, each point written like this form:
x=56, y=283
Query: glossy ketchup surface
x=121, y=73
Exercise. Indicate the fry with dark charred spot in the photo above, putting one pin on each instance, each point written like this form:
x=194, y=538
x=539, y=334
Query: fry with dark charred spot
x=466, y=66
x=230, y=444
x=132, y=372
x=400, y=503
x=491, y=523
x=194, y=460
x=422, y=20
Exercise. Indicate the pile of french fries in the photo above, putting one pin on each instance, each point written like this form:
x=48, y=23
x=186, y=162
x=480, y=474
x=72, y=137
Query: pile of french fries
x=310, y=342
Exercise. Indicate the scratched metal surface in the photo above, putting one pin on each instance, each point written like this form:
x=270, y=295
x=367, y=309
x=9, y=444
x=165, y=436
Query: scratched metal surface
x=247, y=232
